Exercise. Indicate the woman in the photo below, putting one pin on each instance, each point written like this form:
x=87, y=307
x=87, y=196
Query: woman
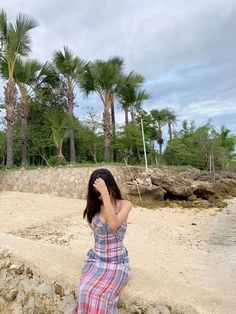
x=106, y=267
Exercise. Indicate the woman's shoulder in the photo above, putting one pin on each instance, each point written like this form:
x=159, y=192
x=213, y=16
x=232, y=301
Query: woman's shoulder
x=124, y=203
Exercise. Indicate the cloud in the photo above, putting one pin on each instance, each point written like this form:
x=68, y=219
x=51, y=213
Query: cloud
x=185, y=49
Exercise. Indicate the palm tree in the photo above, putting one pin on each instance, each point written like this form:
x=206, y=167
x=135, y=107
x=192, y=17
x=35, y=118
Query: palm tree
x=128, y=84
x=171, y=119
x=61, y=124
x=30, y=75
x=139, y=97
x=69, y=68
x=131, y=95
x=103, y=78
x=113, y=122
x=15, y=42
x=159, y=119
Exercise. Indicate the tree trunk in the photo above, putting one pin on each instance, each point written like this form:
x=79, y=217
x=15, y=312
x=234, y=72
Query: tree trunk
x=154, y=153
x=24, y=110
x=10, y=135
x=127, y=155
x=70, y=101
x=24, y=142
x=10, y=101
x=170, y=130
x=60, y=157
x=132, y=113
x=113, y=155
x=160, y=148
x=126, y=116
x=72, y=147
x=107, y=132
x=138, y=155
x=159, y=140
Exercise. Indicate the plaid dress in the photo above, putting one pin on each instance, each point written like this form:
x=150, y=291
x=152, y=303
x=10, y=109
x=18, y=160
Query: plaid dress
x=105, y=271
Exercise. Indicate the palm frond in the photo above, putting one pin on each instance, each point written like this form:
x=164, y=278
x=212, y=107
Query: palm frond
x=3, y=27
x=24, y=24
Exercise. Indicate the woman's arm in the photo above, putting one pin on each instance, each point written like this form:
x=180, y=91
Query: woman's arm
x=113, y=220
x=90, y=225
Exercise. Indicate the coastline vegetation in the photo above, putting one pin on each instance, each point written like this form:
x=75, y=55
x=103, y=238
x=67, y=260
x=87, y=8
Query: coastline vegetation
x=40, y=128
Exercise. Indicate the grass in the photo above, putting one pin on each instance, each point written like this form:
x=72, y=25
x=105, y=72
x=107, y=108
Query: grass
x=232, y=165
x=37, y=167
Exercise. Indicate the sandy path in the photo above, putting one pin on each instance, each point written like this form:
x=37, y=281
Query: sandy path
x=169, y=254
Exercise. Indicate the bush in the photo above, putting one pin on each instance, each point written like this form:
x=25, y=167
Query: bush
x=53, y=161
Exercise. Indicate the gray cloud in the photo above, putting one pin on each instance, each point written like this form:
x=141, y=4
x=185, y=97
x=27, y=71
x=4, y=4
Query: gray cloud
x=185, y=49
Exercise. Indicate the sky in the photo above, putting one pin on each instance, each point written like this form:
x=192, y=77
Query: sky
x=185, y=49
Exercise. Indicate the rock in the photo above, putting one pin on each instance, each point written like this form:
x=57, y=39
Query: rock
x=158, y=309
x=201, y=203
x=59, y=290
x=29, y=272
x=10, y=295
x=188, y=189
x=173, y=184
x=3, y=250
x=192, y=198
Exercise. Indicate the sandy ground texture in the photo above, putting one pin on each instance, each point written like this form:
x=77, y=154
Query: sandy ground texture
x=171, y=258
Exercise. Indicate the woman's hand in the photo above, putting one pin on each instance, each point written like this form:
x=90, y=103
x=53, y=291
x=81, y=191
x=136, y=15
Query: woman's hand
x=100, y=186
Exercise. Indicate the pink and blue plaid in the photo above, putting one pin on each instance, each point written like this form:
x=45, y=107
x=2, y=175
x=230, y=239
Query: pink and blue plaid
x=105, y=271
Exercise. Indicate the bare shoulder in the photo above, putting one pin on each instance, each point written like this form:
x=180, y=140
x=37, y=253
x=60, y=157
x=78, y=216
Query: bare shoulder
x=125, y=204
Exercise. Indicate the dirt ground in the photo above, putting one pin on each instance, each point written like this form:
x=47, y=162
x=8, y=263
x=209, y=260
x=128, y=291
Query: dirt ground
x=171, y=258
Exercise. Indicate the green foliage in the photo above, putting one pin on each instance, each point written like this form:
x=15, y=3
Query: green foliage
x=197, y=146
x=53, y=161
x=15, y=39
x=128, y=140
x=101, y=77
x=61, y=124
x=48, y=89
x=88, y=134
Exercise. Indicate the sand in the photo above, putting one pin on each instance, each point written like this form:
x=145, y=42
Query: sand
x=171, y=258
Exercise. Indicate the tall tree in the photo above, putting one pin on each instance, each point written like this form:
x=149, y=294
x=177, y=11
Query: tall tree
x=90, y=133
x=159, y=119
x=131, y=95
x=129, y=82
x=103, y=78
x=69, y=68
x=113, y=122
x=171, y=119
x=15, y=42
x=29, y=75
x=136, y=105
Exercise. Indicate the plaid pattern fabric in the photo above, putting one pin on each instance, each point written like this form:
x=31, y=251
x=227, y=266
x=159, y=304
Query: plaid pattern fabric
x=105, y=271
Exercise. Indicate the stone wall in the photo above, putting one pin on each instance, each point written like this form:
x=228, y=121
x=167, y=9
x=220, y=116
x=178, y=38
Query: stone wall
x=61, y=181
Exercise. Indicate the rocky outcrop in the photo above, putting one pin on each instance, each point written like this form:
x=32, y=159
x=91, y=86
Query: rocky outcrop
x=191, y=188
x=23, y=291
x=187, y=188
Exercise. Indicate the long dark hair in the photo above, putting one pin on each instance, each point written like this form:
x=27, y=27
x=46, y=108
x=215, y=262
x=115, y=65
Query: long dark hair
x=93, y=202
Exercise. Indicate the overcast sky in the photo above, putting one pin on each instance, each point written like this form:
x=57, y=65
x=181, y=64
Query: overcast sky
x=185, y=49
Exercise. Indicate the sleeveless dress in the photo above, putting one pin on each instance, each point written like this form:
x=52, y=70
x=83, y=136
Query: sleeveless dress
x=105, y=271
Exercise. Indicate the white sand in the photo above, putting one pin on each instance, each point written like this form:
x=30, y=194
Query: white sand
x=170, y=257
